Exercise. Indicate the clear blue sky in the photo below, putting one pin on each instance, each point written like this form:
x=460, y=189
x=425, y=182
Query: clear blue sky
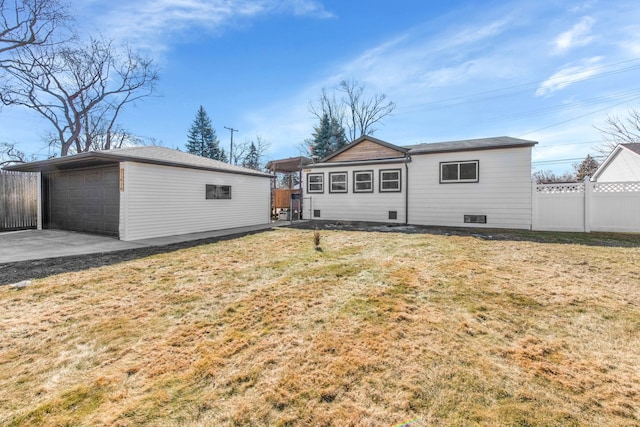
x=541, y=70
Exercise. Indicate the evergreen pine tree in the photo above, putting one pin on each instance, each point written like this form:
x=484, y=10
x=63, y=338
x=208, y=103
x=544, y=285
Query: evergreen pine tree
x=338, y=137
x=252, y=159
x=321, y=144
x=328, y=137
x=202, y=139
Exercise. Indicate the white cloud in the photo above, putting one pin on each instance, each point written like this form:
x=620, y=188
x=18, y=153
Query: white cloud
x=569, y=75
x=579, y=35
x=150, y=24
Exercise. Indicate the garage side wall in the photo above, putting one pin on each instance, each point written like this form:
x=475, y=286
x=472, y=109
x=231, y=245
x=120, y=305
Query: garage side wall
x=161, y=201
x=502, y=193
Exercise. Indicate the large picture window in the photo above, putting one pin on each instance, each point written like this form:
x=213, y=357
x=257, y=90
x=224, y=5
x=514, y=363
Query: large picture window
x=390, y=180
x=315, y=183
x=363, y=181
x=451, y=172
x=338, y=182
x=218, y=191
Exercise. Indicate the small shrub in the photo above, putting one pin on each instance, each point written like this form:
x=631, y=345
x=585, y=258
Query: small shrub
x=316, y=238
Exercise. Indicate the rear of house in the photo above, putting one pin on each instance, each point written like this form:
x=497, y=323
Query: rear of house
x=481, y=183
x=145, y=192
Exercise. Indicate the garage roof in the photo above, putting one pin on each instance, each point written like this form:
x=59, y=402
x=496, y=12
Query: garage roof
x=147, y=154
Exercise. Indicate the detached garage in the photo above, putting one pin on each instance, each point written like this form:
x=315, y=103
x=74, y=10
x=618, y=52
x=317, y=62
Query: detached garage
x=145, y=192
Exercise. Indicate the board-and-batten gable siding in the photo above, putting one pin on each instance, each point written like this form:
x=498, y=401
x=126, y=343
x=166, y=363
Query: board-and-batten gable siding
x=367, y=150
x=624, y=167
x=503, y=192
x=350, y=206
x=162, y=200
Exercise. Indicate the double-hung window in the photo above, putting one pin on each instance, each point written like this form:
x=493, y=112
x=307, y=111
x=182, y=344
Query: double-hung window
x=363, y=181
x=315, y=183
x=390, y=180
x=467, y=171
x=338, y=182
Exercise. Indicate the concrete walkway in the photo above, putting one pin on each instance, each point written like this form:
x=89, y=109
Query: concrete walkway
x=40, y=244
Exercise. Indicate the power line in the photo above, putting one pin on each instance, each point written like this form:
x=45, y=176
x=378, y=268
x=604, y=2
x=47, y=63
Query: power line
x=577, y=117
x=504, y=92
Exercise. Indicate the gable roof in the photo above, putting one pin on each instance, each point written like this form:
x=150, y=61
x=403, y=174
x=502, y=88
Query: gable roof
x=363, y=138
x=632, y=147
x=147, y=154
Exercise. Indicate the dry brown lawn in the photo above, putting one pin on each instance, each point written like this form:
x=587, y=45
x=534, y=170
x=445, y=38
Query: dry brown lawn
x=375, y=329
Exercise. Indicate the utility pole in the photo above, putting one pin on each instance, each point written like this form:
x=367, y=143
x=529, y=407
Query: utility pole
x=232, y=130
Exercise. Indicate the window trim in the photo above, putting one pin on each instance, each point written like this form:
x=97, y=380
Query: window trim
x=355, y=182
x=215, y=190
x=321, y=175
x=381, y=188
x=346, y=182
x=458, y=180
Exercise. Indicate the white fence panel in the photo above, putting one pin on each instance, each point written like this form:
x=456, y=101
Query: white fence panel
x=559, y=207
x=615, y=206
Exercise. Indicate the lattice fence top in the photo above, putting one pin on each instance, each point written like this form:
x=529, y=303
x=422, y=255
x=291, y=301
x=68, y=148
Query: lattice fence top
x=616, y=187
x=576, y=187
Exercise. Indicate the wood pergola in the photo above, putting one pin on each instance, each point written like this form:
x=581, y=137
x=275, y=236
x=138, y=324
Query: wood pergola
x=281, y=197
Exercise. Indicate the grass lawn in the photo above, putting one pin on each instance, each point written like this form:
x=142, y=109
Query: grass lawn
x=374, y=329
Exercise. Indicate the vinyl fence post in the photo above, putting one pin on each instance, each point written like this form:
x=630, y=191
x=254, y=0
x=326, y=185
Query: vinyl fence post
x=588, y=188
x=534, y=203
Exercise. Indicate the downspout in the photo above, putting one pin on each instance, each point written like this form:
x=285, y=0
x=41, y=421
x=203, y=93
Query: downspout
x=407, y=160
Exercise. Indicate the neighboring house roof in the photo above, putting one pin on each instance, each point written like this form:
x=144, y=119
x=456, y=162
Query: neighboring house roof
x=633, y=148
x=147, y=154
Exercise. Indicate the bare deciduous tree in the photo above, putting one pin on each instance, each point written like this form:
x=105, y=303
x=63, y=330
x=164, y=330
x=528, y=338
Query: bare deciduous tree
x=9, y=154
x=619, y=131
x=80, y=89
x=549, y=177
x=363, y=112
x=29, y=22
x=354, y=110
x=241, y=150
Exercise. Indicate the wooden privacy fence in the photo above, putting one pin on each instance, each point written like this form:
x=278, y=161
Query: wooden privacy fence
x=587, y=206
x=18, y=200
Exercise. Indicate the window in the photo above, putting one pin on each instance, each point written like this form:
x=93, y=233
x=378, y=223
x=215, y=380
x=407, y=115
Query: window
x=338, y=182
x=315, y=183
x=316, y=213
x=363, y=181
x=390, y=180
x=218, y=191
x=459, y=172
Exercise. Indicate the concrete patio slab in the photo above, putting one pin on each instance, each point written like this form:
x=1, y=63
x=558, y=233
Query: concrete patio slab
x=27, y=245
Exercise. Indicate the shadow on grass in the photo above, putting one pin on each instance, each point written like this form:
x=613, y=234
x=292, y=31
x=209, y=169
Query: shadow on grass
x=14, y=272
x=627, y=240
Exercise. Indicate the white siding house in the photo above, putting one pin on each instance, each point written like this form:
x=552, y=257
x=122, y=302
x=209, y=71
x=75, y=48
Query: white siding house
x=480, y=183
x=622, y=165
x=145, y=192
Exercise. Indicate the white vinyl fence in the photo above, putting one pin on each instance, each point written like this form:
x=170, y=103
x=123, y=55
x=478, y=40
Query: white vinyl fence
x=587, y=206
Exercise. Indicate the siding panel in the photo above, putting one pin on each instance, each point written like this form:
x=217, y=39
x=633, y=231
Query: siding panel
x=503, y=192
x=162, y=201
x=350, y=206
